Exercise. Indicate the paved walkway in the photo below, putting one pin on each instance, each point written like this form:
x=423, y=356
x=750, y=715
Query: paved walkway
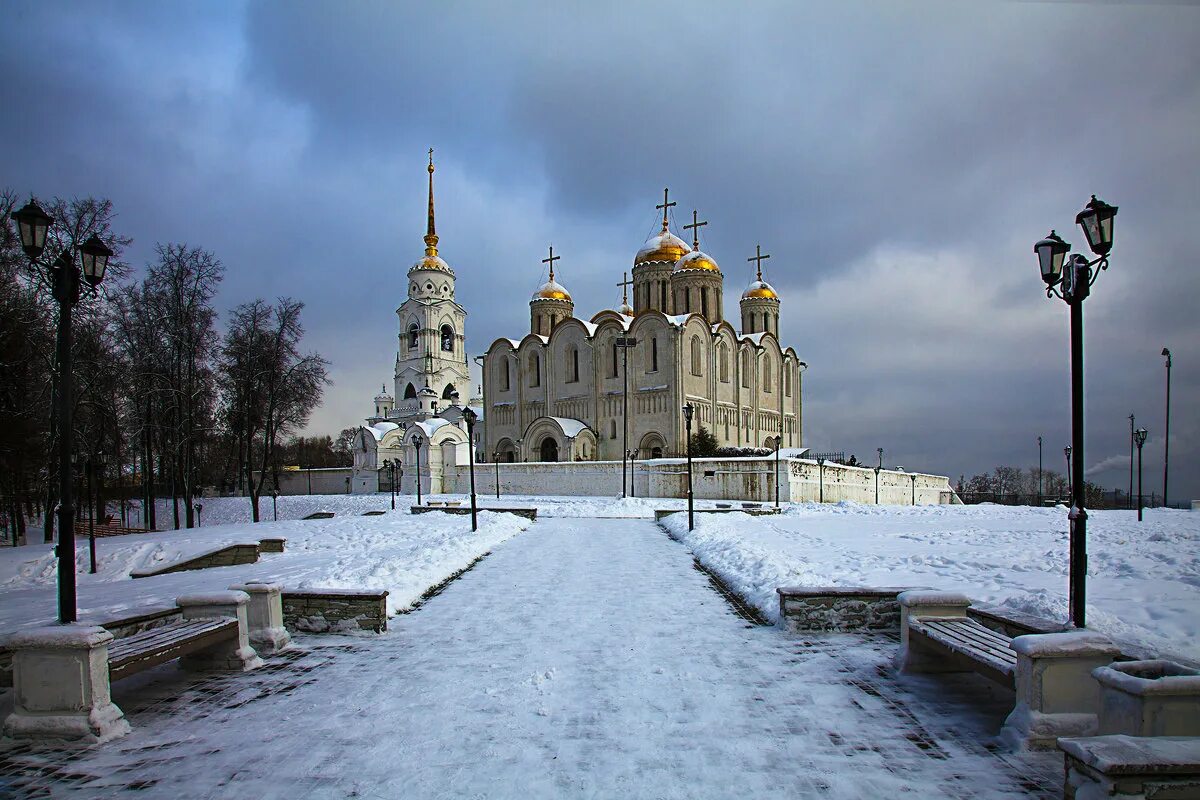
x=583, y=658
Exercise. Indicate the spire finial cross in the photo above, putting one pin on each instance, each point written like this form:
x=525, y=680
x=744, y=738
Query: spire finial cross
x=625, y=284
x=758, y=259
x=666, y=205
x=551, y=261
x=431, y=237
x=695, y=228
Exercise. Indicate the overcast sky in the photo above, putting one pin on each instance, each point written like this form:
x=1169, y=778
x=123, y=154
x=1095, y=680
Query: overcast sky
x=897, y=160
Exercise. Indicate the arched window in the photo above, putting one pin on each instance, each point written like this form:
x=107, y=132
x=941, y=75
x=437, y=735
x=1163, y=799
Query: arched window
x=613, y=372
x=612, y=429
x=447, y=339
x=696, y=356
x=449, y=390
x=410, y=392
x=549, y=449
x=662, y=285
x=535, y=369
x=653, y=355
x=724, y=359
x=745, y=369
x=574, y=361
x=787, y=380
x=504, y=377
x=766, y=374
x=704, y=301
x=413, y=334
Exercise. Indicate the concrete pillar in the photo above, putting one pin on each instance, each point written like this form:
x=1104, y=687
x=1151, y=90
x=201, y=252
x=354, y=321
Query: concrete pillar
x=60, y=680
x=1056, y=694
x=264, y=617
x=236, y=655
x=912, y=657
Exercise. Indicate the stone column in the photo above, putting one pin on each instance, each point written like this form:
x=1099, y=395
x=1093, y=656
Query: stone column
x=236, y=655
x=1056, y=694
x=264, y=617
x=60, y=678
x=912, y=657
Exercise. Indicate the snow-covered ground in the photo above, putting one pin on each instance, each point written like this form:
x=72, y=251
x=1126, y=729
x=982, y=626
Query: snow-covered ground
x=397, y=551
x=1143, y=578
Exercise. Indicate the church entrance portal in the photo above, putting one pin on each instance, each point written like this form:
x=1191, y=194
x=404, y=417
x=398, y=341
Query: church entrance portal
x=549, y=449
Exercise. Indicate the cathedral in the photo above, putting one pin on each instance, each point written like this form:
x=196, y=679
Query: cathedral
x=567, y=389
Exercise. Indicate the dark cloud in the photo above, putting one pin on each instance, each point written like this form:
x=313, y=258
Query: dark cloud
x=898, y=161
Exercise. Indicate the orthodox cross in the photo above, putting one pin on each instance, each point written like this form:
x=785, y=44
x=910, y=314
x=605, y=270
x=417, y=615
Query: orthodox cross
x=665, y=205
x=758, y=258
x=625, y=284
x=695, y=228
x=551, y=261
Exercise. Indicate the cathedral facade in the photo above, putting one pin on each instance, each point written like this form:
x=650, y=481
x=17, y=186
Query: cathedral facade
x=559, y=392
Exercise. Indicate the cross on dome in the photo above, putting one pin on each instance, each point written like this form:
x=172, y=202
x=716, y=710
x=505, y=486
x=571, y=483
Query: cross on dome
x=551, y=261
x=666, y=205
x=695, y=228
x=758, y=258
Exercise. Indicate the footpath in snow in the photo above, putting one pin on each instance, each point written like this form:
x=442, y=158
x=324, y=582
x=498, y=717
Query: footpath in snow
x=583, y=658
x=1143, y=578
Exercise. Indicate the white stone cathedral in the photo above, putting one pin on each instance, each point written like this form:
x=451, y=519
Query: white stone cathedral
x=431, y=378
x=559, y=392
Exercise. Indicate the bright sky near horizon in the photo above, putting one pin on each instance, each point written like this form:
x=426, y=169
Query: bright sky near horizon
x=898, y=161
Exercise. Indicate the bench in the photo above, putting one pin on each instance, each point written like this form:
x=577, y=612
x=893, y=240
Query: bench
x=102, y=529
x=1049, y=672
x=1133, y=767
x=62, y=674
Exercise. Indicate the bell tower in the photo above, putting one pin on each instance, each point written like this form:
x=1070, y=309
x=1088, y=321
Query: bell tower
x=432, y=340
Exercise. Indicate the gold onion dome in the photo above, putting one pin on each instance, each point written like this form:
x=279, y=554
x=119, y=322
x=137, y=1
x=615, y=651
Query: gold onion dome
x=625, y=309
x=697, y=260
x=662, y=246
x=759, y=288
x=552, y=290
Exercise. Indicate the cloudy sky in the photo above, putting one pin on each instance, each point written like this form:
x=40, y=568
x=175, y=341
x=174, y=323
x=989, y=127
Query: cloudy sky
x=897, y=159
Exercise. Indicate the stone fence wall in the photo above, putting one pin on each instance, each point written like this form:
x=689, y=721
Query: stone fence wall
x=334, y=610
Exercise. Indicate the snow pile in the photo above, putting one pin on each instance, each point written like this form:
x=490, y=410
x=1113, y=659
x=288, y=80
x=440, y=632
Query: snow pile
x=1143, y=585
x=399, y=552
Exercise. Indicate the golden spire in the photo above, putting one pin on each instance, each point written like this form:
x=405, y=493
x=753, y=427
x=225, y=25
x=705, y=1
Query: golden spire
x=758, y=257
x=695, y=228
x=665, y=205
x=431, y=238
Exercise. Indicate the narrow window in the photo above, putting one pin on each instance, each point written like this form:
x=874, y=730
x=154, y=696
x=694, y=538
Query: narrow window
x=662, y=285
x=696, y=356
x=612, y=429
x=787, y=380
x=724, y=356
x=653, y=354
x=612, y=373
x=447, y=339
x=745, y=369
x=704, y=301
x=766, y=375
x=504, y=378
x=412, y=336
x=574, y=365
x=535, y=370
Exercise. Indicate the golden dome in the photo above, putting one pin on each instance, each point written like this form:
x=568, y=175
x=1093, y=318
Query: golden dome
x=550, y=290
x=697, y=260
x=759, y=289
x=432, y=261
x=662, y=246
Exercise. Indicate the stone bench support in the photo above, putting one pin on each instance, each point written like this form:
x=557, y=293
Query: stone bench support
x=1149, y=698
x=60, y=676
x=1056, y=695
x=238, y=655
x=264, y=617
x=919, y=603
x=1131, y=767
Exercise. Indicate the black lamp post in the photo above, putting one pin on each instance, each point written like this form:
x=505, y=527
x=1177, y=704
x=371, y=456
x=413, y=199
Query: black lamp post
x=1039, y=471
x=275, y=503
x=496, y=461
x=199, y=508
x=632, y=456
x=877, y=485
x=688, y=411
x=93, y=497
x=913, y=477
x=32, y=225
x=1139, y=438
x=1167, y=434
x=1067, y=453
x=390, y=466
x=778, y=442
x=821, y=480
x=625, y=342
x=1072, y=283
x=470, y=418
x=416, y=442
x=879, y=450
x=1129, y=498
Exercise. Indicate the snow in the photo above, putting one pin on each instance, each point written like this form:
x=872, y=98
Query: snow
x=579, y=660
x=1143, y=586
x=570, y=427
x=380, y=428
x=403, y=553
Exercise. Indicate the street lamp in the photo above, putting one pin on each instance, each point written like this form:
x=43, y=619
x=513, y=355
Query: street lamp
x=199, y=508
x=625, y=342
x=913, y=477
x=1072, y=282
x=820, y=480
x=877, y=484
x=778, y=440
x=1139, y=437
x=1070, y=489
x=275, y=503
x=32, y=225
x=688, y=411
x=879, y=450
x=496, y=461
x=93, y=501
x=1039, y=471
x=1167, y=435
x=416, y=443
x=1129, y=498
x=632, y=456
x=470, y=417
x=390, y=466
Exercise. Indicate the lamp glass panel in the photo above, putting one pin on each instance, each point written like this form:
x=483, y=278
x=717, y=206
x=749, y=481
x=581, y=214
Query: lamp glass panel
x=1090, y=223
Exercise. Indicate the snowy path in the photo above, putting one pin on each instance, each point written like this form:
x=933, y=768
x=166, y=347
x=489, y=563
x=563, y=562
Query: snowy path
x=581, y=659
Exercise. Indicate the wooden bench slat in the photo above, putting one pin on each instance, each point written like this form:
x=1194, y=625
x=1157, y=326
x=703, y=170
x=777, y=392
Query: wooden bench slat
x=984, y=650
x=957, y=640
x=160, y=645
x=975, y=637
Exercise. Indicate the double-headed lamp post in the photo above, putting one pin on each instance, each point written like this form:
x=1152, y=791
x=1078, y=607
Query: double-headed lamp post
x=1072, y=283
x=416, y=443
x=32, y=225
x=688, y=412
x=1139, y=438
x=390, y=466
x=496, y=461
x=776, y=443
x=470, y=417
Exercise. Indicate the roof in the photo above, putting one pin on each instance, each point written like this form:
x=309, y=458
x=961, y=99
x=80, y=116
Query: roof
x=570, y=427
x=380, y=428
